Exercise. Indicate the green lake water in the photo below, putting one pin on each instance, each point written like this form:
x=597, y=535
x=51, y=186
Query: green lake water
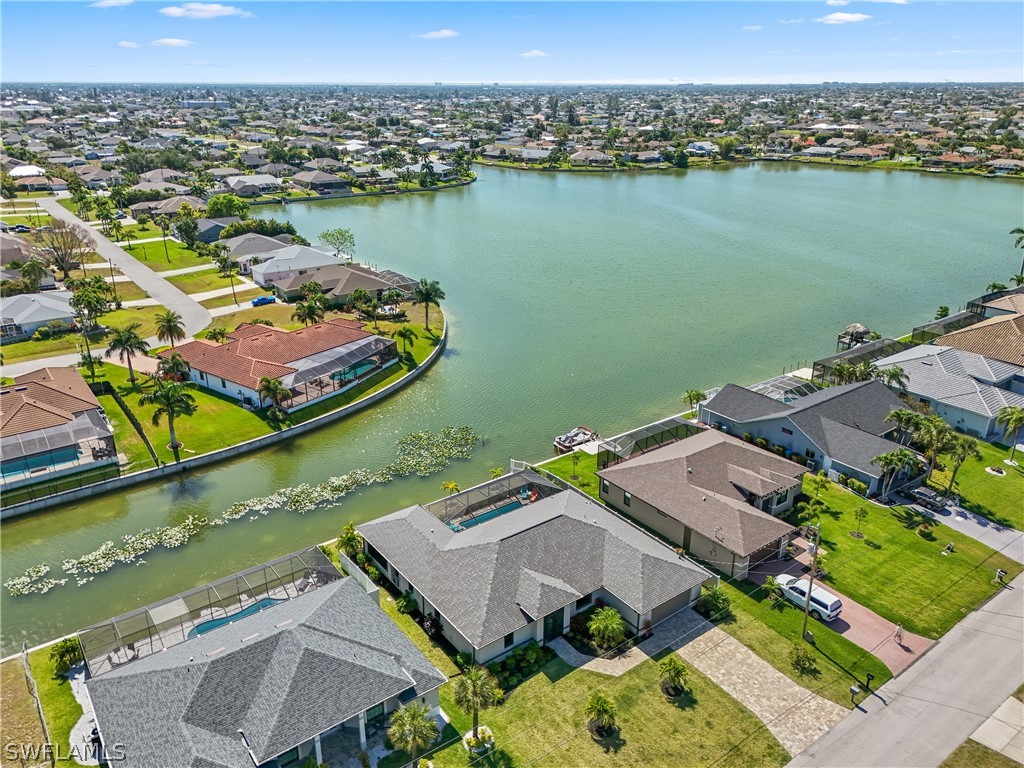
x=572, y=299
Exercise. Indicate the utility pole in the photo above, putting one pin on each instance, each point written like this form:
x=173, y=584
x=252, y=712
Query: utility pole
x=810, y=583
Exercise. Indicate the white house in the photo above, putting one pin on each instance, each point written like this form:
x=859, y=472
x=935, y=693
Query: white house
x=288, y=262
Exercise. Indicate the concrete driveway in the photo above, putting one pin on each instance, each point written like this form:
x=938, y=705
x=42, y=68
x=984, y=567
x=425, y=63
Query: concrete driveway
x=857, y=623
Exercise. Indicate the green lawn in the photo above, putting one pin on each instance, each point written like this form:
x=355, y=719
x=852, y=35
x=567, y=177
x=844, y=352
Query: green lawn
x=19, y=719
x=435, y=653
x=542, y=723
x=588, y=482
x=125, y=437
x=200, y=282
x=60, y=708
x=971, y=754
x=997, y=498
x=245, y=295
x=128, y=291
x=899, y=574
x=176, y=257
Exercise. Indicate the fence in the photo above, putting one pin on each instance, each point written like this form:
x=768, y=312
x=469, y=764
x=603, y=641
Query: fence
x=106, y=388
x=157, y=473
x=34, y=691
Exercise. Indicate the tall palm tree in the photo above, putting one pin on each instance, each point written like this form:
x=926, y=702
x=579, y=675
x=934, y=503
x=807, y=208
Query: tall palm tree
x=359, y=297
x=407, y=335
x=450, y=486
x=226, y=267
x=892, y=464
x=427, y=292
x=893, y=377
x=1019, y=243
x=126, y=342
x=273, y=390
x=173, y=400
x=412, y=729
x=308, y=312
x=906, y=422
x=33, y=271
x=1012, y=419
x=600, y=712
x=174, y=367
x=932, y=436
x=694, y=397
x=169, y=327
x=962, y=448
x=474, y=690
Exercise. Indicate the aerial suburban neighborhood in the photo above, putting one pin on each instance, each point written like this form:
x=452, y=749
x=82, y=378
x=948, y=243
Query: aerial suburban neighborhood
x=536, y=413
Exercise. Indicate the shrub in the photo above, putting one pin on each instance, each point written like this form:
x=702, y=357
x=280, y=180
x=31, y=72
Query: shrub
x=407, y=603
x=41, y=334
x=364, y=760
x=747, y=437
x=780, y=449
x=59, y=327
x=361, y=559
x=66, y=654
x=799, y=458
x=373, y=572
x=715, y=603
x=857, y=486
x=843, y=479
x=463, y=660
x=761, y=442
x=607, y=627
x=802, y=660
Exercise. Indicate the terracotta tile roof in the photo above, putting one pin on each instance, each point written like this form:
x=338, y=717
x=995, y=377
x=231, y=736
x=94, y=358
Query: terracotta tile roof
x=998, y=338
x=259, y=350
x=45, y=398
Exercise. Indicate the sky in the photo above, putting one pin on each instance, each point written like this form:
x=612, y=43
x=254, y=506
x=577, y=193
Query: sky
x=272, y=41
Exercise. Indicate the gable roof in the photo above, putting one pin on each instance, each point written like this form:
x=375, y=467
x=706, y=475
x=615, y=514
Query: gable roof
x=497, y=576
x=282, y=675
x=704, y=482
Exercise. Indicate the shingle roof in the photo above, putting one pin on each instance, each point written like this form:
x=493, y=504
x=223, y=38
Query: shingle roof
x=704, y=482
x=544, y=553
x=281, y=676
x=998, y=338
x=337, y=280
x=740, y=404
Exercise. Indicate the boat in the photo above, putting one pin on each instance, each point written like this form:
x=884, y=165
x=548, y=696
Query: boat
x=574, y=438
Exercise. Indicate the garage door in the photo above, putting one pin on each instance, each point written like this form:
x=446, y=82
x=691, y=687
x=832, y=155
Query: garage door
x=764, y=553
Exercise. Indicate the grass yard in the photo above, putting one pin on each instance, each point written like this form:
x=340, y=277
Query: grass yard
x=279, y=314
x=971, y=754
x=69, y=343
x=997, y=498
x=245, y=295
x=19, y=720
x=588, y=482
x=435, y=653
x=899, y=574
x=542, y=723
x=200, y=282
x=176, y=257
x=60, y=708
x=125, y=437
x=129, y=291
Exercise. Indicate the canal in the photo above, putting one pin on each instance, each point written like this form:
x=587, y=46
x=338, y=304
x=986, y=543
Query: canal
x=572, y=299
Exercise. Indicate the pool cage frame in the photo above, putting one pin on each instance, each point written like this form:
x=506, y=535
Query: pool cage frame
x=614, y=450
x=523, y=486
x=936, y=328
x=155, y=627
x=870, y=351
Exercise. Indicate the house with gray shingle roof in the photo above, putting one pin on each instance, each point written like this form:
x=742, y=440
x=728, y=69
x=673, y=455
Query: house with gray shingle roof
x=964, y=388
x=520, y=557
x=264, y=689
x=714, y=495
x=837, y=429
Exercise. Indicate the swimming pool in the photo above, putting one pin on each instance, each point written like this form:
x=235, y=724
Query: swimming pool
x=490, y=515
x=212, y=624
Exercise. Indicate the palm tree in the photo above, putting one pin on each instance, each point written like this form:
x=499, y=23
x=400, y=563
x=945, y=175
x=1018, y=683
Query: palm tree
x=864, y=371
x=427, y=292
x=174, y=367
x=273, y=390
x=412, y=729
x=349, y=541
x=932, y=436
x=600, y=712
x=892, y=464
x=127, y=342
x=1018, y=280
x=407, y=334
x=308, y=312
x=842, y=373
x=312, y=291
x=1019, y=243
x=173, y=400
x=217, y=334
x=962, y=448
x=673, y=673
x=359, y=297
x=496, y=472
x=451, y=486
x=33, y=271
x=694, y=397
x=226, y=266
x=393, y=296
x=809, y=512
x=893, y=377
x=607, y=627
x=474, y=690
x=906, y=422
x=994, y=286
x=169, y=327
x=1012, y=419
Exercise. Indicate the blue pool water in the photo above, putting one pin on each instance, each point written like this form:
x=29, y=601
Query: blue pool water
x=212, y=624
x=490, y=515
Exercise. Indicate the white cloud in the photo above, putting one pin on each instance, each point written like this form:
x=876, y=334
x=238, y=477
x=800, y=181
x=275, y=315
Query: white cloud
x=171, y=42
x=202, y=11
x=534, y=54
x=791, y=21
x=837, y=2
x=111, y=3
x=127, y=44
x=843, y=18
x=438, y=34
x=753, y=28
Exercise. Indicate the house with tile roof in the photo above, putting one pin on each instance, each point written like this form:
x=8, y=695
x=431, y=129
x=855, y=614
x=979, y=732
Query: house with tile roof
x=837, y=429
x=714, y=495
x=966, y=389
x=513, y=560
x=313, y=362
x=264, y=682
x=998, y=338
x=51, y=425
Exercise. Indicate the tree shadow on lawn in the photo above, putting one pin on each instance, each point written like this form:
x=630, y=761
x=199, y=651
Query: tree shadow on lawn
x=910, y=518
x=556, y=669
x=611, y=743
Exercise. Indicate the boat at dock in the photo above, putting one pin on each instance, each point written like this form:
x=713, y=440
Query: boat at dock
x=573, y=439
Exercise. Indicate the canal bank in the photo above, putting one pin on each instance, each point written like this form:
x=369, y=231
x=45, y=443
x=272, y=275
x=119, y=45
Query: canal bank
x=565, y=315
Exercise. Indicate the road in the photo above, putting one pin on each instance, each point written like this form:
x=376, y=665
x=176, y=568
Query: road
x=918, y=719
x=194, y=316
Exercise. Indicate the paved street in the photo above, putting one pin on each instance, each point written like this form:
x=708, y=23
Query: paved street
x=917, y=720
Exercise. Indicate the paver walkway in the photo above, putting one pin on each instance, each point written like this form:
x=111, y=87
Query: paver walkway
x=1004, y=730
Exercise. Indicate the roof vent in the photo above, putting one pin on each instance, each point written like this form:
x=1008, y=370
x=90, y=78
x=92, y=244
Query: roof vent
x=21, y=389
x=284, y=623
x=253, y=636
x=215, y=651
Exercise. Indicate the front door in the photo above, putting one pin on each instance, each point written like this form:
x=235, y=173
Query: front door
x=553, y=623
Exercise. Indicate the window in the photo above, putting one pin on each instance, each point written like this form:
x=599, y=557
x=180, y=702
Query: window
x=584, y=601
x=787, y=431
x=202, y=376
x=604, y=486
x=509, y=639
x=781, y=499
x=809, y=453
x=223, y=384
x=626, y=498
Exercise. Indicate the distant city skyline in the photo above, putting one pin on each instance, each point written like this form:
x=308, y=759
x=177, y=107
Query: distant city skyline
x=608, y=43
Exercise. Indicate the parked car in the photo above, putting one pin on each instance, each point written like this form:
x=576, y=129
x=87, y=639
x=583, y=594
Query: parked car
x=120, y=214
x=259, y=301
x=824, y=605
x=21, y=228
x=927, y=498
